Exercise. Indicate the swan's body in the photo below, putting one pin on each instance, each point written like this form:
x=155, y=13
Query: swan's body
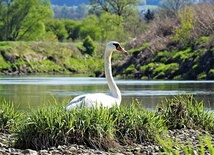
x=99, y=99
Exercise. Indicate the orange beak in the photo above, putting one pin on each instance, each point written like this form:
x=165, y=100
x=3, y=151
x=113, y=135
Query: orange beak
x=119, y=48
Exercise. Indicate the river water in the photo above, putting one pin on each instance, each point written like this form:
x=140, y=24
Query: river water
x=35, y=91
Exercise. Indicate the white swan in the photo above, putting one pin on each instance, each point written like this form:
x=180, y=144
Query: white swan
x=97, y=99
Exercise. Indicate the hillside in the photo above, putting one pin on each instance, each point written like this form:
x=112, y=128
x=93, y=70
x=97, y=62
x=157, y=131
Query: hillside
x=21, y=58
x=173, y=49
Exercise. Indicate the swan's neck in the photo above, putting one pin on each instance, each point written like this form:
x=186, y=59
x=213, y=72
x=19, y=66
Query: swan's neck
x=114, y=90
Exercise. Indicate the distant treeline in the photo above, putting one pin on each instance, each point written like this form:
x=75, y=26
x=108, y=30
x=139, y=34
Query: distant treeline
x=78, y=2
x=69, y=2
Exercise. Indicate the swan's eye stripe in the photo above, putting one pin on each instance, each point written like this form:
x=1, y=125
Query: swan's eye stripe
x=117, y=46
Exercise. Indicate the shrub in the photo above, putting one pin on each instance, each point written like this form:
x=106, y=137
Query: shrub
x=89, y=45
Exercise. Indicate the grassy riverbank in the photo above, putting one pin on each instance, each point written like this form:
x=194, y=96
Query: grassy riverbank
x=106, y=129
x=21, y=58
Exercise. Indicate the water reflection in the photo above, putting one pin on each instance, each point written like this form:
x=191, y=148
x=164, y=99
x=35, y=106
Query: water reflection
x=36, y=91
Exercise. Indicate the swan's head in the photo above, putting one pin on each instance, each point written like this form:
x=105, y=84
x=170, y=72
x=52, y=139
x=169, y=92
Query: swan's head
x=115, y=46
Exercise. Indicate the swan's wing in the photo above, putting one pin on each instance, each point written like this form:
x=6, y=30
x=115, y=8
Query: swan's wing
x=92, y=100
x=76, y=102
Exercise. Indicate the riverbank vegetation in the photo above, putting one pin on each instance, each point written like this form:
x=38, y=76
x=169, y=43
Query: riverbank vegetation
x=104, y=129
x=166, y=43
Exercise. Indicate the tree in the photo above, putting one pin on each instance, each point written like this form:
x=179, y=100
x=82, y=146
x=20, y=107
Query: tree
x=73, y=29
x=187, y=20
x=22, y=19
x=57, y=27
x=149, y=15
x=110, y=26
x=133, y=25
x=119, y=7
x=90, y=26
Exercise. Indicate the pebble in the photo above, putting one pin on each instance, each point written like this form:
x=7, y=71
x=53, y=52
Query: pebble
x=183, y=136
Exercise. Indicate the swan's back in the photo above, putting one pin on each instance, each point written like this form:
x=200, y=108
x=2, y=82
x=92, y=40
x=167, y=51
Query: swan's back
x=92, y=101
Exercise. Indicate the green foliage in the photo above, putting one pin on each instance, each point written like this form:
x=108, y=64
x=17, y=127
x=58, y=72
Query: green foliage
x=139, y=49
x=120, y=7
x=46, y=66
x=86, y=65
x=211, y=74
x=202, y=76
x=163, y=56
x=89, y=45
x=203, y=39
x=129, y=71
x=58, y=28
x=33, y=25
x=183, y=54
x=21, y=20
x=110, y=27
x=90, y=26
x=73, y=29
x=160, y=70
x=183, y=34
x=166, y=69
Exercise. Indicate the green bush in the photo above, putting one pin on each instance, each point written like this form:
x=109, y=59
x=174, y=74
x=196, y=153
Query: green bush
x=89, y=45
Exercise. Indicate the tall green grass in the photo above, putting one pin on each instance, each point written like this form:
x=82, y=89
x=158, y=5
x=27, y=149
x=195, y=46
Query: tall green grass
x=104, y=128
x=8, y=117
x=186, y=111
x=97, y=128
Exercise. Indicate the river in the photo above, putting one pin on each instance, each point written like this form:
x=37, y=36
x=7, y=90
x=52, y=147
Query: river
x=35, y=91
